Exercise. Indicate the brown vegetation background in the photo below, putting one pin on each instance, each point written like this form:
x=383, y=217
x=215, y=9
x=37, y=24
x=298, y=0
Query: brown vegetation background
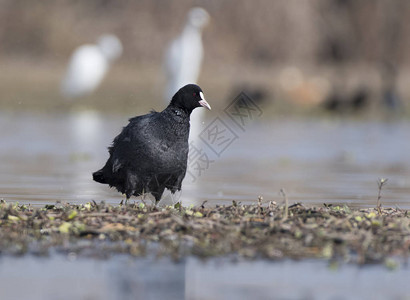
x=356, y=42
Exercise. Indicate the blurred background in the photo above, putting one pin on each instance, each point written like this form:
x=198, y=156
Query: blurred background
x=330, y=76
x=297, y=52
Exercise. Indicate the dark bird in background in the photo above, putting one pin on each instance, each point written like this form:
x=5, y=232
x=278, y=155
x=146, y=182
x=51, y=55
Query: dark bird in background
x=257, y=93
x=360, y=99
x=151, y=152
x=336, y=101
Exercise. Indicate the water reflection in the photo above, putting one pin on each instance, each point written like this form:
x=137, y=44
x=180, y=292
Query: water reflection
x=50, y=157
x=123, y=277
x=85, y=129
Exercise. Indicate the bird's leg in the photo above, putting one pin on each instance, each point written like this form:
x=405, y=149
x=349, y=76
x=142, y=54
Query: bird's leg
x=157, y=197
x=174, y=198
x=127, y=197
x=143, y=194
x=142, y=199
x=175, y=195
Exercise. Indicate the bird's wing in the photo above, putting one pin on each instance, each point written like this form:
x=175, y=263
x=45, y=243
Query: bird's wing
x=142, y=148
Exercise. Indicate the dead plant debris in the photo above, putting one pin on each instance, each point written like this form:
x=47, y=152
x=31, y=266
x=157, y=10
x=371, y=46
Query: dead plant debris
x=249, y=231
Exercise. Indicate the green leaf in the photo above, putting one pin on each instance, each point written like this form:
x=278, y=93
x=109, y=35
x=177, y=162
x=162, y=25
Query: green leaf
x=72, y=214
x=65, y=227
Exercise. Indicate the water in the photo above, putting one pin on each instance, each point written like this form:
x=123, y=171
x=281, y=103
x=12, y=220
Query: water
x=121, y=277
x=50, y=157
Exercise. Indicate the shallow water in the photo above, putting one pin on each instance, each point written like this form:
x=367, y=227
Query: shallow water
x=121, y=277
x=50, y=157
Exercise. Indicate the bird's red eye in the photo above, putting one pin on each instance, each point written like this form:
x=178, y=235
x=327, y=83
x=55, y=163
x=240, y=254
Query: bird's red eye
x=193, y=94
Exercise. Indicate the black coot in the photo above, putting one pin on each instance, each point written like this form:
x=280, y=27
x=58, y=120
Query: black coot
x=151, y=152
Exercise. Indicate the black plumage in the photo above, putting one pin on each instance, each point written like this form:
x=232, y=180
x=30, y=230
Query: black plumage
x=151, y=152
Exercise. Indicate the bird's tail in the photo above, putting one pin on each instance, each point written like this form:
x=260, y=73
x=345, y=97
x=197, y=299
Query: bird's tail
x=99, y=176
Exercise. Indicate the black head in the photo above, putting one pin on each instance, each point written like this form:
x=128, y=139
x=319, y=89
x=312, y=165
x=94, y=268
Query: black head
x=189, y=97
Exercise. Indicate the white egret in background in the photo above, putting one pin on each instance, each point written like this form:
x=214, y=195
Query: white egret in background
x=88, y=65
x=183, y=61
x=183, y=58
